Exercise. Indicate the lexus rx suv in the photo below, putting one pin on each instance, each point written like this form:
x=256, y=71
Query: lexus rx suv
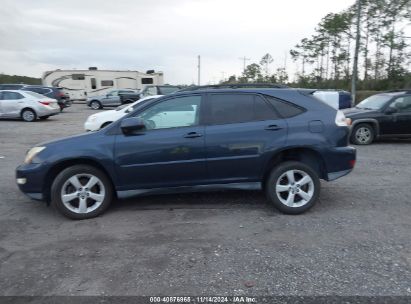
x=281, y=141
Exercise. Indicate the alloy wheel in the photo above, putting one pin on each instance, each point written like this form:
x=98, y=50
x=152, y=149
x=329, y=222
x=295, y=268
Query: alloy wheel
x=294, y=188
x=83, y=193
x=363, y=135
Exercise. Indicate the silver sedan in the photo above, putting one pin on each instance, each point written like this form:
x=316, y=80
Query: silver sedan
x=26, y=105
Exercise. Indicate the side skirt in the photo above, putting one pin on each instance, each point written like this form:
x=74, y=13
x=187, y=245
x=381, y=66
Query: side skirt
x=185, y=189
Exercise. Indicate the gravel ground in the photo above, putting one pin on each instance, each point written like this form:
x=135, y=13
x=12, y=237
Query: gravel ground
x=355, y=241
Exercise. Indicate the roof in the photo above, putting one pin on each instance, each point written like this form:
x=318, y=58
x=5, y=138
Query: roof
x=234, y=86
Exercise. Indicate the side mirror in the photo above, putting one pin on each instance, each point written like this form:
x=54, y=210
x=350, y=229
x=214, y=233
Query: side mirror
x=391, y=111
x=132, y=124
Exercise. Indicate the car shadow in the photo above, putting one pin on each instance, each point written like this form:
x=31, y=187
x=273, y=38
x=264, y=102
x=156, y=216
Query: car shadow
x=199, y=200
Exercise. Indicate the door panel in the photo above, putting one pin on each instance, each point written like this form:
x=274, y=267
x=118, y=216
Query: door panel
x=161, y=158
x=243, y=130
x=236, y=152
x=170, y=152
x=10, y=104
x=400, y=121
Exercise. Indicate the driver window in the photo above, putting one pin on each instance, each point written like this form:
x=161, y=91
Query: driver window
x=402, y=104
x=173, y=113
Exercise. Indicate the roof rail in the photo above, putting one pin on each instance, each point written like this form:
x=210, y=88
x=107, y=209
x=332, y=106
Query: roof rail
x=235, y=86
x=408, y=91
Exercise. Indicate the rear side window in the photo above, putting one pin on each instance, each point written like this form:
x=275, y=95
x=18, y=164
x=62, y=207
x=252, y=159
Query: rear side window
x=238, y=108
x=11, y=96
x=285, y=109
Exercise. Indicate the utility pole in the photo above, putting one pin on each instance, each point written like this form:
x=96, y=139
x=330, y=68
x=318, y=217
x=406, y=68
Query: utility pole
x=244, y=59
x=357, y=49
x=199, y=69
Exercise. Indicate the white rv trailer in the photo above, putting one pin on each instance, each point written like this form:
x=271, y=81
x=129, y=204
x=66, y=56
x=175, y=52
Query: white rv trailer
x=80, y=84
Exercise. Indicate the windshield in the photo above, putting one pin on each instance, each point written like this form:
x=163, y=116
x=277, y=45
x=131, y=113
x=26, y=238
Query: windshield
x=374, y=102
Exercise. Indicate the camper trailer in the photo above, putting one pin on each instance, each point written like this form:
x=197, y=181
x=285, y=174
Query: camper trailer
x=80, y=84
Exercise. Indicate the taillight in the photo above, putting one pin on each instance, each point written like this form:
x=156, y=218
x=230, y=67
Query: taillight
x=60, y=94
x=46, y=103
x=352, y=163
x=340, y=119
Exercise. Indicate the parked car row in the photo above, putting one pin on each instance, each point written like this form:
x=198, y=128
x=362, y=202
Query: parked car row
x=125, y=96
x=56, y=93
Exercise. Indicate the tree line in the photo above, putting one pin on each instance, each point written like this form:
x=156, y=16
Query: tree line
x=19, y=79
x=325, y=60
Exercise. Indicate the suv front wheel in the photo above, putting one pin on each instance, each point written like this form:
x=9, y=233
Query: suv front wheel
x=293, y=187
x=81, y=192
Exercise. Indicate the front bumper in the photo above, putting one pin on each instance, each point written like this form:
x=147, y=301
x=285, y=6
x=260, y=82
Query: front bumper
x=30, y=179
x=90, y=126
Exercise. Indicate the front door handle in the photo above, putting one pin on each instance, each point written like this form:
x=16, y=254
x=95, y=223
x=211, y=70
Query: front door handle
x=192, y=135
x=273, y=128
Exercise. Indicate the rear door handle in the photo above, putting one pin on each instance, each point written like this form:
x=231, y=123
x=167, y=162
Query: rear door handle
x=192, y=135
x=273, y=128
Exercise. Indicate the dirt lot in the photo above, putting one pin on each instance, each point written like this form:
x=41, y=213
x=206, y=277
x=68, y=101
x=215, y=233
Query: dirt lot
x=356, y=241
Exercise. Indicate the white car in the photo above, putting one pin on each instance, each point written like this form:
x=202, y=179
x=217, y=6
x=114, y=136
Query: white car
x=26, y=105
x=98, y=121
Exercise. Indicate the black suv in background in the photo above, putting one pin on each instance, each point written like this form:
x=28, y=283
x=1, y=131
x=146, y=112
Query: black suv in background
x=52, y=92
x=385, y=115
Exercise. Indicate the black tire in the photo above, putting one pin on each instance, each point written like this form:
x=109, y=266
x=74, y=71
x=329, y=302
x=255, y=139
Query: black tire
x=62, y=184
x=105, y=124
x=28, y=115
x=44, y=117
x=96, y=105
x=362, y=134
x=278, y=175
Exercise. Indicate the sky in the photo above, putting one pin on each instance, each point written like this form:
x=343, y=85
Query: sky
x=42, y=35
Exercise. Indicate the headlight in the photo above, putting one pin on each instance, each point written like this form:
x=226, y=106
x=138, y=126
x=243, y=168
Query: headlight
x=92, y=118
x=32, y=153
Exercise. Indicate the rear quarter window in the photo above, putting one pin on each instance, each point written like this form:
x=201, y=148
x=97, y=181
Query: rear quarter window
x=285, y=109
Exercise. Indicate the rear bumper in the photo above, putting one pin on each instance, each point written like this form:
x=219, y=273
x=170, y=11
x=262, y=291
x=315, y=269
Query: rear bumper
x=339, y=161
x=43, y=111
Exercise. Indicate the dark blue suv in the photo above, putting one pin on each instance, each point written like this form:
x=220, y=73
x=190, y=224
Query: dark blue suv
x=282, y=141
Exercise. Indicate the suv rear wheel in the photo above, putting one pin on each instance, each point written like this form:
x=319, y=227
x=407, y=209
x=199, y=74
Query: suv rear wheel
x=363, y=134
x=293, y=187
x=81, y=192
